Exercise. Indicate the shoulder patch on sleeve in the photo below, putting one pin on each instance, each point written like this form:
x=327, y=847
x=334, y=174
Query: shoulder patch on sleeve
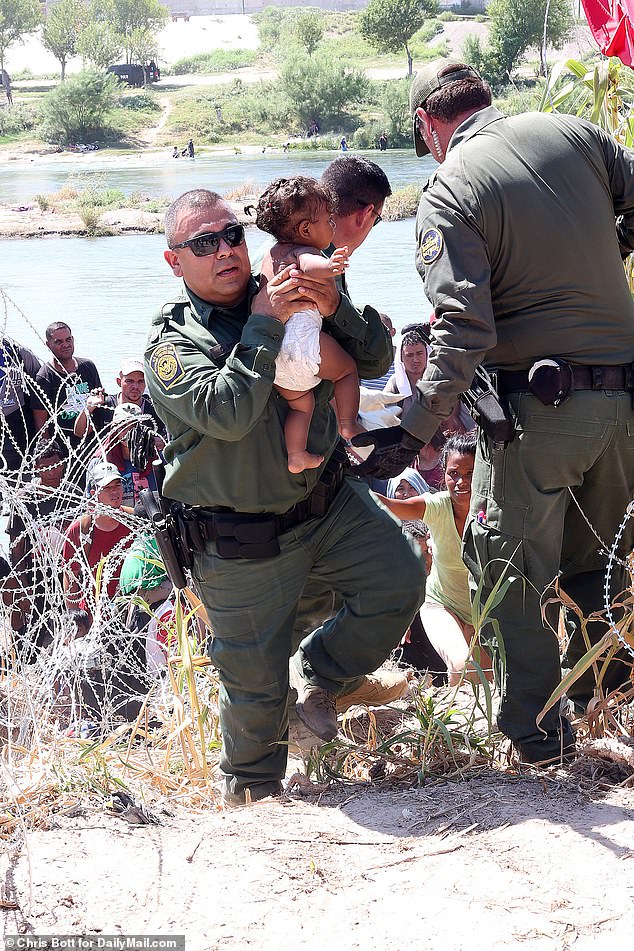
x=166, y=366
x=431, y=245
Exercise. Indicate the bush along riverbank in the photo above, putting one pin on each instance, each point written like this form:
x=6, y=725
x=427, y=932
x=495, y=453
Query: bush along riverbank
x=108, y=211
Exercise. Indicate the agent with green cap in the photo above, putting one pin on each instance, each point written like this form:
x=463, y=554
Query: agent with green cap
x=519, y=239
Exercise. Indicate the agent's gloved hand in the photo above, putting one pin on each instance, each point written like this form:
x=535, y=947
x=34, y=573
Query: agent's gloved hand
x=394, y=450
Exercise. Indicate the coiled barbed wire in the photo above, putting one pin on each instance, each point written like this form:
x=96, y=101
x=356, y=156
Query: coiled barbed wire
x=45, y=668
x=613, y=559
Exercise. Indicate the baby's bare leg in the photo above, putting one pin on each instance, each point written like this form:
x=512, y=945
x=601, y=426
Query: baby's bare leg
x=339, y=367
x=296, y=428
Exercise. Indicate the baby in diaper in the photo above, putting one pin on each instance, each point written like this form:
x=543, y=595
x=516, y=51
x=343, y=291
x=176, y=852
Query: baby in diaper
x=298, y=213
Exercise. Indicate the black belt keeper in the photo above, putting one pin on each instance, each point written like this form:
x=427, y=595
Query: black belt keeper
x=243, y=535
x=583, y=378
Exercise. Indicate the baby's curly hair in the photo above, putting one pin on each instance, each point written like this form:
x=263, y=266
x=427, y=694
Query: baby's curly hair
x=288, y=201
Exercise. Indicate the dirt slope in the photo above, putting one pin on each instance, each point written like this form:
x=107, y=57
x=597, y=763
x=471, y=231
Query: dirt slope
x=495, y=863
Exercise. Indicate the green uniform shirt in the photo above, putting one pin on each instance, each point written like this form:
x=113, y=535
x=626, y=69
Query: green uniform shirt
x=518, y=250
x=210, y=372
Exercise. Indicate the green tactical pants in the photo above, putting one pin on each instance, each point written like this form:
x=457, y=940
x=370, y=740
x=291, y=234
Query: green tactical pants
x=531, y=530
x=360, y=553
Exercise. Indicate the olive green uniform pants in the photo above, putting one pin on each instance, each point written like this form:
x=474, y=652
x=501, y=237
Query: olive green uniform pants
x=359, y=552
x=527, y=527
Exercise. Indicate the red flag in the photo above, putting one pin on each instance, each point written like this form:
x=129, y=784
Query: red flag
x=612, y=25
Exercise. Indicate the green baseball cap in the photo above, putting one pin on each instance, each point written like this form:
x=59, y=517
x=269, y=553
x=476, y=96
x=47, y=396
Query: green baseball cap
x=427, y=81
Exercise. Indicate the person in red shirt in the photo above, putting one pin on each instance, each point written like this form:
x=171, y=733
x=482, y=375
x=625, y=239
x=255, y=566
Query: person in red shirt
x=95, y=536
x=95, y=547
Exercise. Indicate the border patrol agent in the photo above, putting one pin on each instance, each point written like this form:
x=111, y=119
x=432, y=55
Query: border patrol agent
x=519, y=251
x=266, y=531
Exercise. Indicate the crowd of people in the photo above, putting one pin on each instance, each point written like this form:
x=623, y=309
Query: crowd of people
x=74, y=463
x=319, y=548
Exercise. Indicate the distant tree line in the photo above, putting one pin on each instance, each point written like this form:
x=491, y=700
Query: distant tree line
x=100, y=31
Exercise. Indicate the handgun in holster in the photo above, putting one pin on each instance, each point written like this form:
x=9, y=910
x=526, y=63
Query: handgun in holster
x=174, y=553
x=484, y=405
x=486, y=408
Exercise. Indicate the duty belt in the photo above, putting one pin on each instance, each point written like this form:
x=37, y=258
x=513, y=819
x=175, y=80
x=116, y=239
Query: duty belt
x=246, y=535
x=583, y=378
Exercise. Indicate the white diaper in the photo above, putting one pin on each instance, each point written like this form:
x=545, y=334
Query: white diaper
x=298, y=361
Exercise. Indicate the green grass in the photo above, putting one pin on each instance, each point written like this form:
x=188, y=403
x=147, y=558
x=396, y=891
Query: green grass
x=125, y=124
x=25, y=75
x=216, y=61
x=136, y=101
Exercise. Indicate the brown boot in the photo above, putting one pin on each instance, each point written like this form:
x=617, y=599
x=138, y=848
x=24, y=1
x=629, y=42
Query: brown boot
x=377, y=689
x=315, y=706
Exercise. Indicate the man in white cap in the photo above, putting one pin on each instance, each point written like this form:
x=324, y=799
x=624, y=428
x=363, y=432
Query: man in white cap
x=94, y=536
x=100, y=406
x=129, y=444
x=103, y=535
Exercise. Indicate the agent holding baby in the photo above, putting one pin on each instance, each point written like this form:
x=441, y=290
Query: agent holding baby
x=211, y=365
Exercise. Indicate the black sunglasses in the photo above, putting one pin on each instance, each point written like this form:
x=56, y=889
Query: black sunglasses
x=204, y=244
x=376, y=220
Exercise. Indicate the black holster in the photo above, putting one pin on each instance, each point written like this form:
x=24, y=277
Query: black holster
x=488, y=410
x=171, y=544
x=485, y=406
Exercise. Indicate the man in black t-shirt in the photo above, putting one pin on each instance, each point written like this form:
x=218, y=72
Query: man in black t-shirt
x=65, y=382
x=18, y=371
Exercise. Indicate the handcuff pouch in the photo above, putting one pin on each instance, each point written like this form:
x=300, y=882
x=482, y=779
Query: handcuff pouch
x=551, y=381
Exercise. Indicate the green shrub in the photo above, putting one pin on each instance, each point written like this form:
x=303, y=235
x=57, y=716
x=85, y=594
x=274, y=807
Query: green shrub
x=262, y=106
x=395, y=105
x=77, y=109
x=90, y=217
x=195, y=115
x=351, y=47
x=17, y=120
x=329, y=142
x=101, y=198
x=338, y=22
x=403, y=203
x=514, y=99
x=320, y=87
x=367, y=136
x=43, y=202
x=22, y=75
x=269, y=22
x=427, y=32
x=140, y=102
x=145, y=203
x=216, y=61
x=429, y=53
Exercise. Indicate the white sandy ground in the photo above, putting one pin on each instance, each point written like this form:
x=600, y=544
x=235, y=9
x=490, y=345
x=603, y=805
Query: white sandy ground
x=499, y=862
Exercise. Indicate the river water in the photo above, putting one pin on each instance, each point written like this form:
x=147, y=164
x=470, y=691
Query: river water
x=108, y=288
